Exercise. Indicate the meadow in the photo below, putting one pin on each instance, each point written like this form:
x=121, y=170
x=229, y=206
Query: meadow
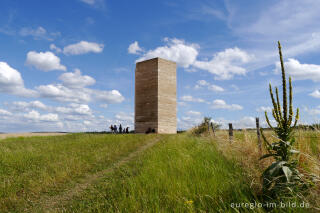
x=141, y=173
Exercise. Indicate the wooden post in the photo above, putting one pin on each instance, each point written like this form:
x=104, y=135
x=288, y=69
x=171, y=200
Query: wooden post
x=258, y=134
x=214, y=134
x=230, y=132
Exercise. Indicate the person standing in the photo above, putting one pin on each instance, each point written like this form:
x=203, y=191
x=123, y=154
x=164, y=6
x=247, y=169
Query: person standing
x=120, y=129
x=115, y=129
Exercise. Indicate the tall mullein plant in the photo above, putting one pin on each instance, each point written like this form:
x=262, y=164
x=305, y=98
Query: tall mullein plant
x=281, y=178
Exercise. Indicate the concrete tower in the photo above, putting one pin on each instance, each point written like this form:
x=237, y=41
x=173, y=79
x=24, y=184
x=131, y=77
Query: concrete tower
x=155, y=96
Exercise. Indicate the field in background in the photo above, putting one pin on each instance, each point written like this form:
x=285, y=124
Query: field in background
x=29, y=134
x=180, y=172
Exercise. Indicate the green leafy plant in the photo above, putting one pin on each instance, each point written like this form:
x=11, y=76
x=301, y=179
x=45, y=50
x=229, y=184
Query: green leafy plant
x=203, y=127
x=282, y=178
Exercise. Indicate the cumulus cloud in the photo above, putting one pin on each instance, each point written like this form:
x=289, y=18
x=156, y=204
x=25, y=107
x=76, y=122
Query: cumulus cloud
x=202, y=83
x=11, y=82
x=245, y=122
x=76, y=80
x=193, y=113
x=36, y=116
x=122, y=116
x=38, y=33
x=189, y=98
x=74, y=89
x=187, y=122
x=313, y=111
x=55, y=48
x=5, y=112
x=45, y=61
x=221, y=104
x=83, y=47
x=176, y=50
x=215, y=88
x=24, y=106
x=300, y=71
x=61, y=93
x=105, y=106
x=113, y=96
x=134, y=48
x=263, y=109
x=315, y=94
x=75, y=109
x=224, y=65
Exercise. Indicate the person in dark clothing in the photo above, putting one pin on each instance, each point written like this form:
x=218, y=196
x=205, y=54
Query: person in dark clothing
x=115, y=129
x=120, y=129
x=127, y=130
x=111, y=128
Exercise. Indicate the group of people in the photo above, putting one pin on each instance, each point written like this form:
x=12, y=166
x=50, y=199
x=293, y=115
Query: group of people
x=114, y=129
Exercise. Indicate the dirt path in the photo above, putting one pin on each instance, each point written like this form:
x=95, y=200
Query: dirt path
x=52, y=203
x=29, y=134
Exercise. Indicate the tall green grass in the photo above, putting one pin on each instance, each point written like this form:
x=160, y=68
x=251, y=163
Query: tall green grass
x=180, y=174
x=31, y=167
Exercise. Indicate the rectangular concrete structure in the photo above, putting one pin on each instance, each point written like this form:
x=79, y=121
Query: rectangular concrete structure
x=155, y=96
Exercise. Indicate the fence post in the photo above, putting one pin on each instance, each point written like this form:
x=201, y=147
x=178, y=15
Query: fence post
x=230, y=132
x=258, y=134
x=212, y=127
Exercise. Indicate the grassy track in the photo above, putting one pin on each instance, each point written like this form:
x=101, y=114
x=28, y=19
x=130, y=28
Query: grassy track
x=37, y=166
x=180, y=174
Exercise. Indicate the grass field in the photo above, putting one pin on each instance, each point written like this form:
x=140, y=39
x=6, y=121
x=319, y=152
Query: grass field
x=138, y=173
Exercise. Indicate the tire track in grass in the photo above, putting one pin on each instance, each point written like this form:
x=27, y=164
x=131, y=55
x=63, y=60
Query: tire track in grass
x=52, y=203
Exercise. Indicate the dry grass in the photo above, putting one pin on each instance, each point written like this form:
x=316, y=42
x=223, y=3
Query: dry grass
x=244, y=149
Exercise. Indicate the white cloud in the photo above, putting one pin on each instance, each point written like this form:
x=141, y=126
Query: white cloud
x=187, y=122
x=212, y=87
x=73, y=89
x=263, y=109
x=113, y=96
x=224, y=65
x=45, y=61
x=5, y=112
x=55, y=48
x=175, y=50
x=245, y=122
x=76, y=80
x=215, y=88
x=91, y=2
x=11, y=82
x=36, y=116
x=105, y=106
x=189, y=98
x=125, y=117
x=134, y=48
x=221, y=104
x=181, y=103
x=61, y=93
x=193, y=113
x=81, y=109
x=38, y=33
x=315, y=94
x=24, y=106
x=83, y=47
x=315, y=111
x=300, y=71
x=75, y=109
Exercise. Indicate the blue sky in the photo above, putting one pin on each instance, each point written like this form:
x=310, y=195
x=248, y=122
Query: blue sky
x=69, y=65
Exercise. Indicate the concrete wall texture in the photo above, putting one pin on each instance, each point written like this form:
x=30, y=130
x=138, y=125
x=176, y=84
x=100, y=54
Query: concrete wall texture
x=155, y=96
